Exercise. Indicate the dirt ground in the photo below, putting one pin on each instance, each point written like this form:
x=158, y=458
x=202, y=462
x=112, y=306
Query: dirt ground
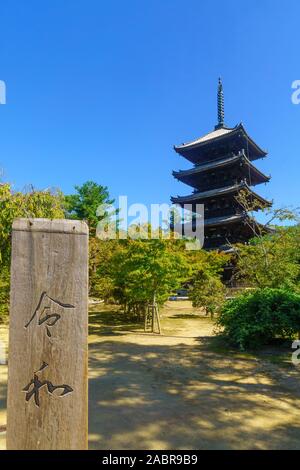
x=183, y=389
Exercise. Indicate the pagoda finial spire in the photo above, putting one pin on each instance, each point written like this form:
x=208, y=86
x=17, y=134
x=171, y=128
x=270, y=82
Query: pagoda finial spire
x=220, y=105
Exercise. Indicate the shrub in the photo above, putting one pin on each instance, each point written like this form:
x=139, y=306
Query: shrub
x=256, y=318
x=208, y=292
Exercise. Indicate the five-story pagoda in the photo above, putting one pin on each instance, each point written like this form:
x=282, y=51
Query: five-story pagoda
x=223, y=169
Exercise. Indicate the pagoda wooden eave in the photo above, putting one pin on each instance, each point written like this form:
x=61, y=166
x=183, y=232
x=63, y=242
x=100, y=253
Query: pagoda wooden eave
x=234, y=219
x=192, y=150
x=186, y=176
x=221, y=221
x=224, y=220
x=200, y=197
x=242, y=220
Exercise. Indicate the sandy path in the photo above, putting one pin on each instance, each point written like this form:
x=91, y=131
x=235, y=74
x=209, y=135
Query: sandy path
x=177, y=391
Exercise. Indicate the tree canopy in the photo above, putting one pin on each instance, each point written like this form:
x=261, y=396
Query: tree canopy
x=272, y=260
x=48, y=204
x=84, y=204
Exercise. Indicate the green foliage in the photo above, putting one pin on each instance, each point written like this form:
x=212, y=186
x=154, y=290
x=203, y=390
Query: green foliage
x=100, y=267
x=206, y=263
x=131, y=271
x=84, y=205
x=272, y=260
x=18, y=204
x=256, y=318
x=141, y=269
x=31, y=204
x=208, y=292
x=206, y=288
x=4, y=293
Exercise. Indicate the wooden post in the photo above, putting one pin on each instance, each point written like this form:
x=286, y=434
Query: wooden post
x=47, y=363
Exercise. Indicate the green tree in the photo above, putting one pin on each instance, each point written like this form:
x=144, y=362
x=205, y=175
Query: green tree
x=206, y=289
x=101, y=253
x=48, y=204
x=206, y=263
x=271, y=260
x=144, y=268
x=18, y=204
x=208, y=292
x=85, y=203
x=130, y=271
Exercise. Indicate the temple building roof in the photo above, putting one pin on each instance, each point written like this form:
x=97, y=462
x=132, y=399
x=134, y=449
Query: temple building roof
x=195, y=150
x=218, y=192
x=189, y=176
x=224, y=220
x=209, y=136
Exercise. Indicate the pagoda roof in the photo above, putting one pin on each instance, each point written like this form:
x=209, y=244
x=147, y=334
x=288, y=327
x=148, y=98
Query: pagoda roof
x=224, y=220
x=235, y=218
x=221, y=220
x=218, y=135
x=239, y=222
x=184, y=175
x=209, y=136
x=218, y=192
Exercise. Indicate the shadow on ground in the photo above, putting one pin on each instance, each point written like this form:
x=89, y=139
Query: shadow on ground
x=184, y=389
x=107, y=321
x=159, y=392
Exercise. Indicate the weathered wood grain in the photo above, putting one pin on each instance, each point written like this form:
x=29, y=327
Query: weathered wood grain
x=48, y=335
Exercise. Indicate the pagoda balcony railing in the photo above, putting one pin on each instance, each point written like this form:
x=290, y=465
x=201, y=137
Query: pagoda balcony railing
x=223, y=153
x=211, y=213
x=238, y=153
x=220, y=183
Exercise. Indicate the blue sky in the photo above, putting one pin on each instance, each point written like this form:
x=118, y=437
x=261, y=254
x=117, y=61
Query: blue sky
x=102, y=90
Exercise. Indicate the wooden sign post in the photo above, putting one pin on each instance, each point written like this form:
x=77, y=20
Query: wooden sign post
x=47, y=362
